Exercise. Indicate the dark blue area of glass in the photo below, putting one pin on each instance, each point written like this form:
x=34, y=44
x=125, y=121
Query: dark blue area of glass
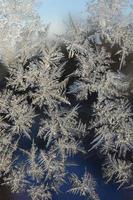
x=90, y=162
x=106, y=191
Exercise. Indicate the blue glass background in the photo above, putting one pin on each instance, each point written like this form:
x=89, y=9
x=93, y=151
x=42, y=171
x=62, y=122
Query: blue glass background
x=106, y=191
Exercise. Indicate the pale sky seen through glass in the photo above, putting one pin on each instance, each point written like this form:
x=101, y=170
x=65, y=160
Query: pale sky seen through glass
x=56, y=11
